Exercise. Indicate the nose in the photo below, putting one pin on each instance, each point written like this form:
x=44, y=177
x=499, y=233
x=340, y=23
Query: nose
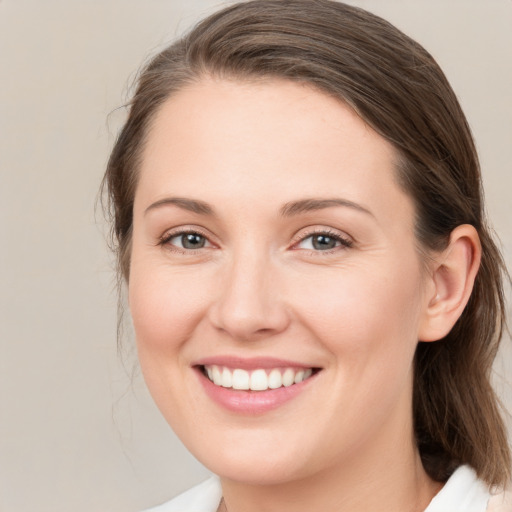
x=249, y=303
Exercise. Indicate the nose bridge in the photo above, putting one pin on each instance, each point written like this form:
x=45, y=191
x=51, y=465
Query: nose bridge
x=248, y=304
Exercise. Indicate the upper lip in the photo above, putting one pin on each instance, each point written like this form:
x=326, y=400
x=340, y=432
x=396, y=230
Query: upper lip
x=251, y=363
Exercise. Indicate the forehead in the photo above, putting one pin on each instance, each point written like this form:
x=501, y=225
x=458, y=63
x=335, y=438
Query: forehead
x=278, y=138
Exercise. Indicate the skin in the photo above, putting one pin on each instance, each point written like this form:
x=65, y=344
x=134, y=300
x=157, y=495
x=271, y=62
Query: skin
x=258, y=287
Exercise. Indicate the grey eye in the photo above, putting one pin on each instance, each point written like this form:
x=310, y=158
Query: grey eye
x=323, y=242
x=192, y=241
x=188, y=241
x=320, y=242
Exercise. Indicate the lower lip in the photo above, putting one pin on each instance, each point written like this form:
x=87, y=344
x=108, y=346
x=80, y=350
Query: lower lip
x=251, y=402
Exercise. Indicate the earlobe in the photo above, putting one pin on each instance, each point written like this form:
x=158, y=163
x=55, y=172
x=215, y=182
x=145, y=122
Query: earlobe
x=452, y=278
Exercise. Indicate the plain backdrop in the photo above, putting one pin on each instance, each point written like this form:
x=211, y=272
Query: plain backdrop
x=78, y=432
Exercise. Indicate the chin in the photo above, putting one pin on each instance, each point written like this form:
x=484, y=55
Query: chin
x=260, y=472
x=257, y=463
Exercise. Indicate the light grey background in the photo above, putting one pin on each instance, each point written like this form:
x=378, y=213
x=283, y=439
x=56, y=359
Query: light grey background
x=75, y=433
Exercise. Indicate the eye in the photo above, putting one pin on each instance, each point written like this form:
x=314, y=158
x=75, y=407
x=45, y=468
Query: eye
x=323, y=241
x=189, y=241
x=186, y=240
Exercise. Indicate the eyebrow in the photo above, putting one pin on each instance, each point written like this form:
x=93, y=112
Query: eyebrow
x=287, y=210
x=309, y=205
x=191, y=205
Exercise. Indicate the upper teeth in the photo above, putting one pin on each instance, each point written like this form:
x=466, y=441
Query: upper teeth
x=256, y=380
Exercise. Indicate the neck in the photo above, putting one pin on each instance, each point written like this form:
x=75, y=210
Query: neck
x=393, y=481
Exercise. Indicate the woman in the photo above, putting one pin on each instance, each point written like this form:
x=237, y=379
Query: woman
x=316, y=297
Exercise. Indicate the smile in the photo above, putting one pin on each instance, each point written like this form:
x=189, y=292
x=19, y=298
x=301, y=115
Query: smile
x=253, y=386
x=256, y=380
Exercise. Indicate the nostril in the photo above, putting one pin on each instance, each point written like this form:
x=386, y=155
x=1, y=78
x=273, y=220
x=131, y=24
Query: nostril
x=246, y=306
x=246, y=322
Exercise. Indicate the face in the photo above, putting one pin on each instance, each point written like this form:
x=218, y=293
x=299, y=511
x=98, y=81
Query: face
x=273, y=253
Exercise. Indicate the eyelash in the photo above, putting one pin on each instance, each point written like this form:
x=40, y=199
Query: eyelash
x=344, y=242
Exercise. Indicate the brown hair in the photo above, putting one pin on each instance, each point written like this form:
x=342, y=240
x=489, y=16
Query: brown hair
x=397, y=88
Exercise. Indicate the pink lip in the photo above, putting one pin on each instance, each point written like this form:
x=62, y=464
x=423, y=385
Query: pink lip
x=252, y=363
x=251, y=402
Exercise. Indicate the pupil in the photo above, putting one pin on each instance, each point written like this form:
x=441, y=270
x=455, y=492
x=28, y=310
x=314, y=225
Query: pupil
x=192, y=241
x=323, y=242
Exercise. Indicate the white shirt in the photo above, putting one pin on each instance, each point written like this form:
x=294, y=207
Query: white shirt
x=463, y=492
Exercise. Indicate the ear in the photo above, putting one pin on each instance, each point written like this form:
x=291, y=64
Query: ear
x=451, y=279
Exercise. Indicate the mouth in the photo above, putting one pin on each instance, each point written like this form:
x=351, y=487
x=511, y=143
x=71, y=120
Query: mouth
x=254, y=386
x=259, y=379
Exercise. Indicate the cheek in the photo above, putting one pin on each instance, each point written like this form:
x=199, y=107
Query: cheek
x=367, y=316
x=369, y=324
x=165, y=306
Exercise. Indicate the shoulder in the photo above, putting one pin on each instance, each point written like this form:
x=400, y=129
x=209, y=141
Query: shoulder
x=204, y=497
x=465, y=492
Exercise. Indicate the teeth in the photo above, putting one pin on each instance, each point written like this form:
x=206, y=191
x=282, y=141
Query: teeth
x=289, y=377
x=299, y=377
x=240, y=379
x=258, y=380
x=217, y=376
x=227, y=379
x=275, y=380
